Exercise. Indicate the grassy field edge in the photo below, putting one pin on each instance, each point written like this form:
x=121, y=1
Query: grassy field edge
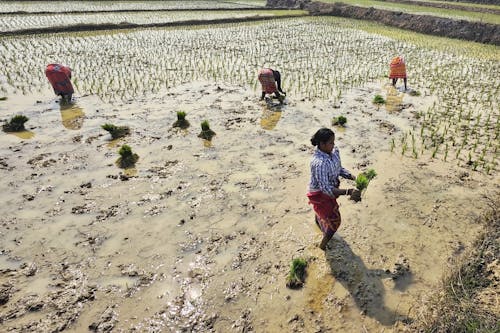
x=466, y=300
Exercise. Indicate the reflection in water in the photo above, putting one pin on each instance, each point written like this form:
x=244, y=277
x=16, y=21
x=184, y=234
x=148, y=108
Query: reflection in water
x=72, y=116
x=25, y=135
x=269, y=118
x=364, y=285
x=115, y=143
x=207, y=143
x=394, y=99
x=130, y=172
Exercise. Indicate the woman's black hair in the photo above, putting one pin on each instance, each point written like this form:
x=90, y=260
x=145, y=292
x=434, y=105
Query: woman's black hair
x=322, y=135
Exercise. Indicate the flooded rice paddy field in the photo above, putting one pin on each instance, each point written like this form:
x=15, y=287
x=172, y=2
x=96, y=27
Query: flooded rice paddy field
x=18, y=22
x=72, y=6
x=199, y=235
x=323, y=58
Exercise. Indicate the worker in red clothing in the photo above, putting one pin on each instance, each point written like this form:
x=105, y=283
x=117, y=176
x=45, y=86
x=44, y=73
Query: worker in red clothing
x=271, y=83
x=60, y=78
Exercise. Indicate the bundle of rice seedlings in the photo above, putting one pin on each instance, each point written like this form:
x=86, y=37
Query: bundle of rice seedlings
x=206, y=132
x=127, y=158
x=181, y=120
x=297, y=275
x=15, y=124
x=339, y=121
x=116, y=131
x=378, y=99
x=362, y=181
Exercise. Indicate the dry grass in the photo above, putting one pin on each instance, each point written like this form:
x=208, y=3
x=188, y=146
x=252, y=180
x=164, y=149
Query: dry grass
x=468, y=299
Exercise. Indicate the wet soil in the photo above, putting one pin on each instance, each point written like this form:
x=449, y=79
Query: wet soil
x=199, y=236
x=473, y=31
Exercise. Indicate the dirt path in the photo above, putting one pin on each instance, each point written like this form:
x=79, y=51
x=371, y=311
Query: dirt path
x=200, y=235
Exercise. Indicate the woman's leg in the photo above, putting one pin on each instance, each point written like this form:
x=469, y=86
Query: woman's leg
x=326, y=238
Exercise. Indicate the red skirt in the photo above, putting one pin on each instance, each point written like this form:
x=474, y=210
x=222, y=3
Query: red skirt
x=327, y=211
x=266, y=79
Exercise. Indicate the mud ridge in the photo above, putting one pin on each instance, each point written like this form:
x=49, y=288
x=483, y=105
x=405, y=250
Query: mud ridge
x=432, y=25
x=126, y=25
x=446, y=6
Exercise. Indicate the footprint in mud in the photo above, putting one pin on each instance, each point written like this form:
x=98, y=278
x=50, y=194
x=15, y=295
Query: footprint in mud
x=364, y=285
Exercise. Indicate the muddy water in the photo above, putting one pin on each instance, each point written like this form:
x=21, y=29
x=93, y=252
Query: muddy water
x=199, y=235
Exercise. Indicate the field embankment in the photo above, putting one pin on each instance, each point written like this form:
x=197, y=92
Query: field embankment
x=469, y=294
x=485, y=2
x=438, y=26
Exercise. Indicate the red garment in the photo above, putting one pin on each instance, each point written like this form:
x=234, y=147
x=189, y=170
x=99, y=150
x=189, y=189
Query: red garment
x=327, y=211
x=398, y=68
x=59, y=77
x=266, y=78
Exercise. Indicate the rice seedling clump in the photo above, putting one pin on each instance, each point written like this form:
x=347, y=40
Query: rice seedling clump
x=116, y=131
x=15, y=124
x=181, y=120
x=127, y=158
x=297, y=275
x=339, y=121
x=206, y=132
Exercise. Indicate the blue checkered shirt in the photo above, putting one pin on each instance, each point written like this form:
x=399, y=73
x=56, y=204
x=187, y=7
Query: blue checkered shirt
x=326, y=170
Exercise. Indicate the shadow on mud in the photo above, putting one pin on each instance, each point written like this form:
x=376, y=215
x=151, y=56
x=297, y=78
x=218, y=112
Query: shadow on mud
x=364, y=285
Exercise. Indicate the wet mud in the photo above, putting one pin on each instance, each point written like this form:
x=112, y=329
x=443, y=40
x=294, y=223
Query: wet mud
x=199, y=237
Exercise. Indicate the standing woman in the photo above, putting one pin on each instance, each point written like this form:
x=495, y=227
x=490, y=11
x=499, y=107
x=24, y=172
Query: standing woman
x=324, y=185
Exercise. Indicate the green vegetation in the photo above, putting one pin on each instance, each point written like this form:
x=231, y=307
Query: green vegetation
x=116, y=131
x=15, y=124
x=206, y=132
x=462, y=304
x=339, y=121
x=3, y=98
x=297, y=275
x=127, y=158
x=378, y=99
x=370, y=174
x=425, y=10
x=361, y=182
x=181, y=120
